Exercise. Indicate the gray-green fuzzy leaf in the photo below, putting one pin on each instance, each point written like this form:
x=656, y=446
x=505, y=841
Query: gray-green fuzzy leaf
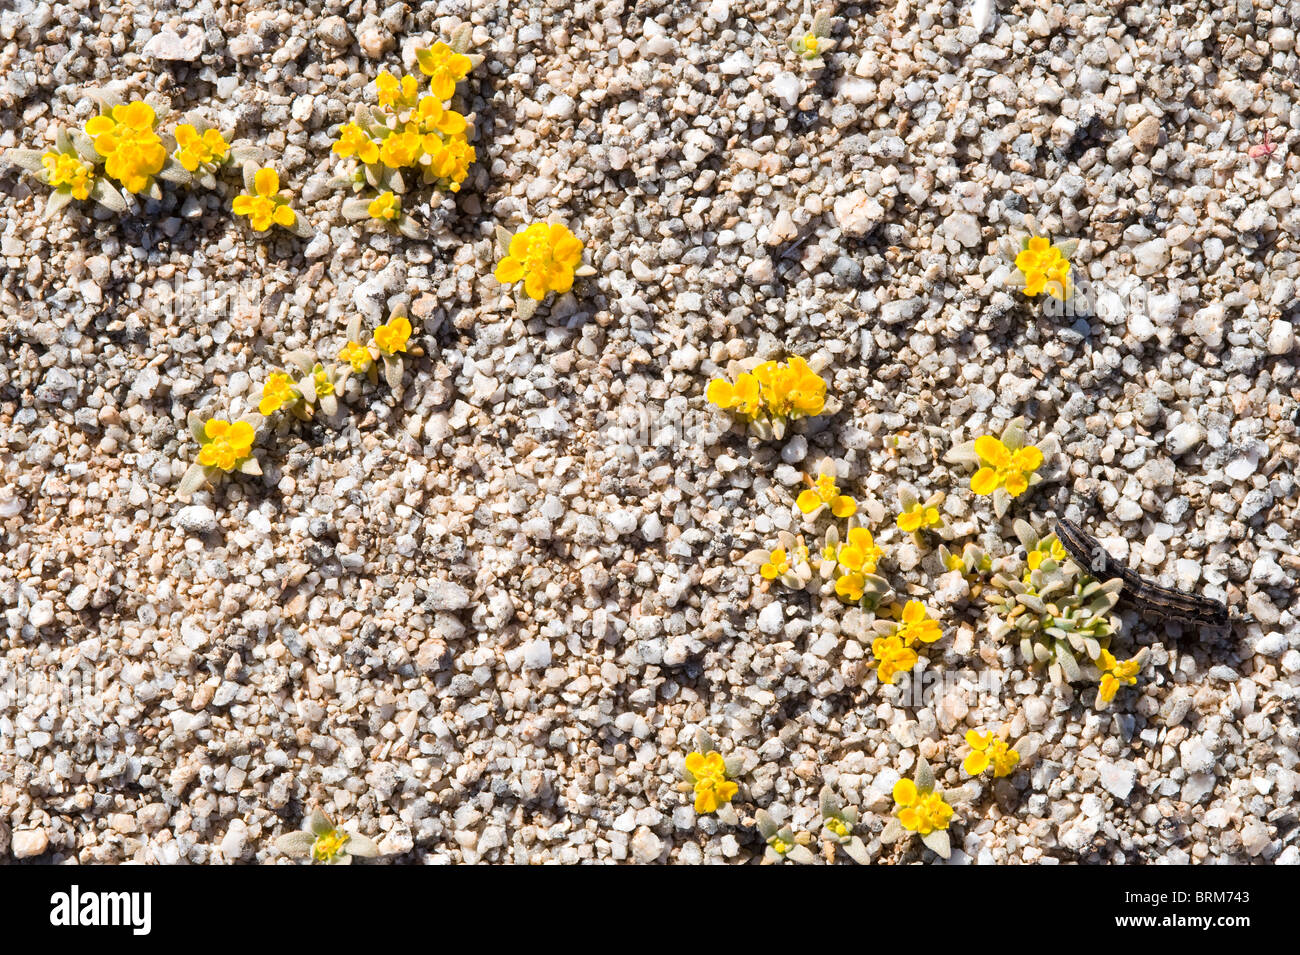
x=937, y=842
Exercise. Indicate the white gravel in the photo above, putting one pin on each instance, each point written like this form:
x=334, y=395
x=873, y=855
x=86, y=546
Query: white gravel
x=480, y=623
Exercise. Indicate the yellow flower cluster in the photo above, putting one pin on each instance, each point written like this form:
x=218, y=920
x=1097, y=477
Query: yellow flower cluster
x=67, y=173
x=712, y=788
x=265, y=206
x=226, y=445
x=895, y=652
x=857, y=557
x=1044, y=268
x=133, y=152
x=1003, y=467
x=416, y=131
x=989, y=750
x=1115, y=674
x=194, y=149
x=778, y=389
x=920, y=812
x=545, y=256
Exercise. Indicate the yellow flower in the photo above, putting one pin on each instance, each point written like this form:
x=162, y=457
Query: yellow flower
x=807, y=390
x=892, y=657
x=810, y=44
x=354, y=141
x=276, y=393
x=357, y=355
x=825, y=491
x=860, y=553
x=791, y=388
x=386, y=206
x=918, y=516
x=459, y=156
x=782, y=390
x=849, y=587
x=917, y=625
x=1114, y=675
x=396, y=94
x=838, y=827
x=1004, y=468
x=401, y=149
x=712, y=788
x=444, y=67
x=1049, y=547
x=544, y=256
x=777, y=564
x=67, y=173
x=986, y=750
x=264, y=206
x=433, y=117
x=1044, y=268
x=392, y=338
x=133, y=153
x=742, y=397
x=225, y=444
x=321, y=381
x=920, y=812
x=195, y=149
x=327, y=846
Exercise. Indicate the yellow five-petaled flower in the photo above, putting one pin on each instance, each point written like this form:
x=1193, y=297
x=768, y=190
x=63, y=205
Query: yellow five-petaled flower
x=791, y=388
x=392, y=338
x=226, y=444
x=920, y=812
x=1004, y=467
x=988, y=750
x=544, y=256
x=265, y=206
